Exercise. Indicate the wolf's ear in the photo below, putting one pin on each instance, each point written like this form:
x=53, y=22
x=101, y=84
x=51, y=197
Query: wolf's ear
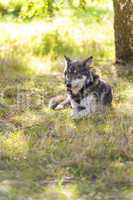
x=87, y=62
x=68, y=60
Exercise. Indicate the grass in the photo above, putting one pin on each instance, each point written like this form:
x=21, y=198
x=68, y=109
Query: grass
x=40, y=149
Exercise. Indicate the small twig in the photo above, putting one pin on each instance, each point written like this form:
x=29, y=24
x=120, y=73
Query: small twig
x=66, y=180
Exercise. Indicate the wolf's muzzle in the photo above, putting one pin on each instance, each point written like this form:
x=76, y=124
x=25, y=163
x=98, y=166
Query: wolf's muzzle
x=68, y=85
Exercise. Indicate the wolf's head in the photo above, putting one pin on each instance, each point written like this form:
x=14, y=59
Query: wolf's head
x=77, y=72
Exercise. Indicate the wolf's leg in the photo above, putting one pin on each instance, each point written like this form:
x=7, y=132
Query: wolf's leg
x=83, y=113
x=89, y=105
x=75, y=106
x=79, y=111
x=58, y=101
x=63, y=104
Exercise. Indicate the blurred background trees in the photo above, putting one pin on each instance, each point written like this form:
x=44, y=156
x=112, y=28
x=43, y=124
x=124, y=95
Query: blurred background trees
x=29, y=9
x=26, y=10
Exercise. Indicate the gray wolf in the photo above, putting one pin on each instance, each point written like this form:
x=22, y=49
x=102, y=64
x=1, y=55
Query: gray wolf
x=86, y=91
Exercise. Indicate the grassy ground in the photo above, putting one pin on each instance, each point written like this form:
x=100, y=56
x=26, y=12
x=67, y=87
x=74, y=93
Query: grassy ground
x=44, y=154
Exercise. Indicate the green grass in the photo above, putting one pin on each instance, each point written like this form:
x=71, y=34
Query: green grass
x=40, y=147
x=44, y=154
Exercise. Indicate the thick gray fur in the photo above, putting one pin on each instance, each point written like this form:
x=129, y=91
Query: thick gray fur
x=86, y=92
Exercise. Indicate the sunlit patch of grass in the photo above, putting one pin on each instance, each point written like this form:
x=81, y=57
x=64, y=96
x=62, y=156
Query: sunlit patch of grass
x=12, y=58
x=22, y=119
x=14, y=146
x=60, y=191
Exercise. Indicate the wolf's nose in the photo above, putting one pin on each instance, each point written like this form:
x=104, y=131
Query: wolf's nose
x=68, y=85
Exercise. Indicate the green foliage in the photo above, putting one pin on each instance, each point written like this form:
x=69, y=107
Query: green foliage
x=28, y=10
x=34, y=9
x=54, y=44
x=14, y=7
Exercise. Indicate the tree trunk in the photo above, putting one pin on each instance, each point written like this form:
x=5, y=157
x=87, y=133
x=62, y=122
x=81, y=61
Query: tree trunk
x=123, y=26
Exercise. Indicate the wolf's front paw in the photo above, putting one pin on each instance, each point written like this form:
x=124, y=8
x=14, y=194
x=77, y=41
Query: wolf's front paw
x=59, y=107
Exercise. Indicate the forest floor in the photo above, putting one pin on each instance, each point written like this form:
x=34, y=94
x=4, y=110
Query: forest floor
x=44, y=154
